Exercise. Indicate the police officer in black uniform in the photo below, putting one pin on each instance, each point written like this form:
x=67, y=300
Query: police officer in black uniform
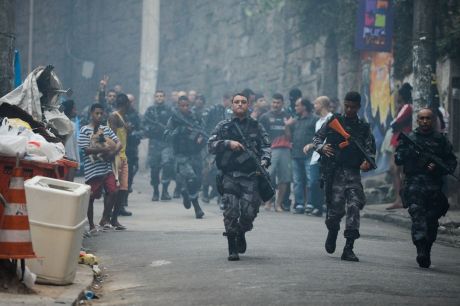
x=160, y=152
x=185, y=132
x=341, y=173
x=422, y=188
x=238, y=184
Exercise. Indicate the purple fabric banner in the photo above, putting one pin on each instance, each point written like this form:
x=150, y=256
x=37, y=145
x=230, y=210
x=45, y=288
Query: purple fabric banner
x=374, y=25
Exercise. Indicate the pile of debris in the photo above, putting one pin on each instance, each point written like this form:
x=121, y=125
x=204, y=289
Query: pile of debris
x=37, y=103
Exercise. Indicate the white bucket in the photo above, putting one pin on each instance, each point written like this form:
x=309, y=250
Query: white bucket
x=58, y=248
x=57, y=215
x=56, y=201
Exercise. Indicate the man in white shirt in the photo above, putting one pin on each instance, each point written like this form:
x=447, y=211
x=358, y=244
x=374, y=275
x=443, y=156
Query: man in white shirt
x=321, y=106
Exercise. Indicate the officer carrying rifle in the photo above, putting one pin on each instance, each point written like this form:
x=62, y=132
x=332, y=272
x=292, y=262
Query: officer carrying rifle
x=346, y=146
x=243, y=153
x=184, y=131
x=426, y=156
x=161, y=158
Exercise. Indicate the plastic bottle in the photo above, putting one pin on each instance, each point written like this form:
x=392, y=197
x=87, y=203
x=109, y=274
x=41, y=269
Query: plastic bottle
x=89, y=295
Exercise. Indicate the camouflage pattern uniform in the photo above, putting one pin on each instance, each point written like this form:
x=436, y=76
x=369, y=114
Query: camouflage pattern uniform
x=160, y=152
x=422, y=189
x=341, y=174
x=187, y=153
x=240, y=190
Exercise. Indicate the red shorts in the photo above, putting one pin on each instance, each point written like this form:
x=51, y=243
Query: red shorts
x=107, y=182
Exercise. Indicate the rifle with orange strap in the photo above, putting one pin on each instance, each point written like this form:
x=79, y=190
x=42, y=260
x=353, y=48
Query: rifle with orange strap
x=336, y=126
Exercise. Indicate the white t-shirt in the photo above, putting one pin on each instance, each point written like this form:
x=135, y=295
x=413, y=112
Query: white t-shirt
x=315, y=157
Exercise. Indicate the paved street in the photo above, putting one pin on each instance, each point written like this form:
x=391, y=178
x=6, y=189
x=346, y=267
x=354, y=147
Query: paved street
x=167, y=257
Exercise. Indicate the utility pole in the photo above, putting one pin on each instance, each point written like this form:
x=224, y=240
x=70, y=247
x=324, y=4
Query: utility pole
x=6, y=46
x=423, y=58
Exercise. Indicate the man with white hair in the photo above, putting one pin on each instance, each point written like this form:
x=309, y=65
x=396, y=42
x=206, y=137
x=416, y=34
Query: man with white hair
x=321, y=105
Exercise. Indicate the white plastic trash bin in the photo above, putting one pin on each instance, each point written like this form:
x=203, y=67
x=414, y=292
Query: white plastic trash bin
x=57, y=215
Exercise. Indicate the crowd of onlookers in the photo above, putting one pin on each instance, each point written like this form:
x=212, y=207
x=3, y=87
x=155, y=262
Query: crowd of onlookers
x=291, y=127
x=113, y=118
x=290, y=123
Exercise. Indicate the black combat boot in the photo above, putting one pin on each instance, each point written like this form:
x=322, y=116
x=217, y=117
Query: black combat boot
x=241, y=243
x=423, y=254
x=198, y=212
x=125, y=213
x=164, y=193
x=114, y=220
x=331, y=241
x=124, y=203
x=156, y=194
x=232, y=252
x=348, y=251
x=186, y=200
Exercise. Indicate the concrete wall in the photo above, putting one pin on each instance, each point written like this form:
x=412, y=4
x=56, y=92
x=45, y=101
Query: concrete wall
x=214, y=46
x=6, y=46
x=68, y=32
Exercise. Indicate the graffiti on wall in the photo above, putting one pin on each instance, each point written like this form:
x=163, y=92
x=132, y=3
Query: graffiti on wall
x=378, y=105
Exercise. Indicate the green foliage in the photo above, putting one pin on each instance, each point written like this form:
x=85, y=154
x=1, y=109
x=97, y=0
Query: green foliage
x=337, y=18
x=447, y=24
x=260, y=7
x=316, y=18
x=328, y=17
x=448, y=28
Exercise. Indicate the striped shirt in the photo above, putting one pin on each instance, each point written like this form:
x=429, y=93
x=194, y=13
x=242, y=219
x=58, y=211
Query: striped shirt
x=98, y=167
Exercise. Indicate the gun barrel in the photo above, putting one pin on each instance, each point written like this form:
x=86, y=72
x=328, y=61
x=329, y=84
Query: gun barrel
x=336, y=126
x=428, y=153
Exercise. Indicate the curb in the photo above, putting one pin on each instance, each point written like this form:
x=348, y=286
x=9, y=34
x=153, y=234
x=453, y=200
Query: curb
x=87, y=277
x=52, y=294
x=390, y=218
x=444, y=236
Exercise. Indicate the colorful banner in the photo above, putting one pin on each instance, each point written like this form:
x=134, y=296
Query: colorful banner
x=378, y=100
x=374, y=25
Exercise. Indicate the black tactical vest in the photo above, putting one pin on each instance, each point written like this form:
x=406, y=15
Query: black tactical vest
x=350, y=156
x=239, y=160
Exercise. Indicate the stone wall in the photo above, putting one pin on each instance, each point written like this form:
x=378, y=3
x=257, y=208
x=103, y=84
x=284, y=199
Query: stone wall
x=215, y=46
x=69, y=32
x=209, y=45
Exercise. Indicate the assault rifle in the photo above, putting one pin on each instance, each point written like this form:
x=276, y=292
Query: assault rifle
x=266, y=188
x=155, y=122
x=190, y=125
x=157, y=130
x=336, y=126
x=427, y=154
